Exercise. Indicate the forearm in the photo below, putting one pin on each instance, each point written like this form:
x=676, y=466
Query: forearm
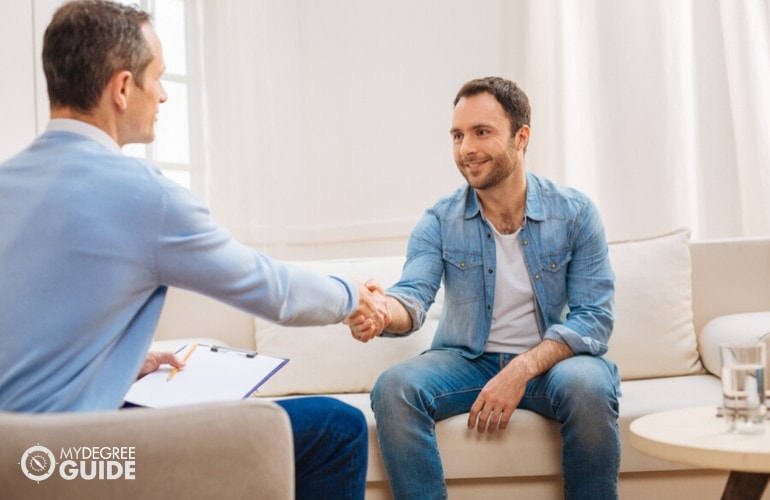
x=540, y=359
x=401, y=321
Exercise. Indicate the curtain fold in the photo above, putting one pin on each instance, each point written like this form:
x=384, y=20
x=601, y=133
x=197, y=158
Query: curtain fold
x=746, y=38
x=242, y=143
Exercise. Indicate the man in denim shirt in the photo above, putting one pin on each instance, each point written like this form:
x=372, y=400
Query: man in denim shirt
x=528, y=310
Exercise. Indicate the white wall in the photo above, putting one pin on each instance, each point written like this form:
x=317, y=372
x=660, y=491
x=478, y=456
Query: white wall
x=24, y=109
x=17, y=87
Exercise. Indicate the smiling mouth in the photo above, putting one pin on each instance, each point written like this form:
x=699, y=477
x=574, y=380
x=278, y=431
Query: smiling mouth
x=474, y=165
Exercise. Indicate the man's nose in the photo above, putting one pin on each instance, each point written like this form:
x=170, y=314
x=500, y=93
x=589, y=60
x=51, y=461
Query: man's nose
x=468, y=145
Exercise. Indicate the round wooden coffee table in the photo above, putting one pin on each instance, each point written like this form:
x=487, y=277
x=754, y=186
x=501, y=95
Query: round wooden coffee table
x=697, y=436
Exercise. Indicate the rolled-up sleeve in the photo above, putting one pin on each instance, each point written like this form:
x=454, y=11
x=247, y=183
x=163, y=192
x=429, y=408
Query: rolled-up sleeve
x=590, y=289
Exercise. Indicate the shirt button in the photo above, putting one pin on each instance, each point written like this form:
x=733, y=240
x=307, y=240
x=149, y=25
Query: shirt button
x=462, y=264
x=553, y=266
x=526, y=242
x=537, y=277
x=489, y=307
x=489, y=235
x=490, y=271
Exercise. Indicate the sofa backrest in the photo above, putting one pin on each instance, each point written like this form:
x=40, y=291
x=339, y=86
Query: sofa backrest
x=654, y=334
x=730, y=276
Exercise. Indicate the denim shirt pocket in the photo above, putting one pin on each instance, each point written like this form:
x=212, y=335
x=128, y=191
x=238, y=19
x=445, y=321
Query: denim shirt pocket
x=463, y=276
x=553, y=272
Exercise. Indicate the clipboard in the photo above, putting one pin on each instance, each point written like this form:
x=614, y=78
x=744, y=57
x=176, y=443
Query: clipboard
x=212, y=373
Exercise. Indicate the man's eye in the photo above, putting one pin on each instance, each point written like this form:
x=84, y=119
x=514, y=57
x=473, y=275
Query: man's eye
x=483, y=132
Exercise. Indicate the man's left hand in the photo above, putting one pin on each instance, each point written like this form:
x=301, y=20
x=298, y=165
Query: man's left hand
x=497, y=401
x=156, y=359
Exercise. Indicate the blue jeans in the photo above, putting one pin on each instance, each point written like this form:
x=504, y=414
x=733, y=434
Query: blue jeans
x=581, y=393
x=330, y=448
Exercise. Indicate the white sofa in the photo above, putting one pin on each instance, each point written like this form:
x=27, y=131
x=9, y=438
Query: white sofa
x=668, y=291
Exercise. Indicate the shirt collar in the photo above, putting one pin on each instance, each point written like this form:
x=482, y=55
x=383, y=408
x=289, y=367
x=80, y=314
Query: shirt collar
x=533, y=208
x=85, y=129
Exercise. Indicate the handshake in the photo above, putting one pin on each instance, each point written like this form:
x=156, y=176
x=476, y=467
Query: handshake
x=373, y=314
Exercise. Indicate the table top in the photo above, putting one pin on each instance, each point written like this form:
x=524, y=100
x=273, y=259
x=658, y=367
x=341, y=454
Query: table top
x=696, y=436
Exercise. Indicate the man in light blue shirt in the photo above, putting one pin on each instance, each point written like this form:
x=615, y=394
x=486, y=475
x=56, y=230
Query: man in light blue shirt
x=528, y=310
x=91, y=239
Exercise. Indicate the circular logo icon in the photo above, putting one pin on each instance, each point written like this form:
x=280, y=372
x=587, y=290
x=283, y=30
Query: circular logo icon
x=38, y=463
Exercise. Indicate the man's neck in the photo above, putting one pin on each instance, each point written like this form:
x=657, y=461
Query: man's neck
x=504, y=205
x=93, y=118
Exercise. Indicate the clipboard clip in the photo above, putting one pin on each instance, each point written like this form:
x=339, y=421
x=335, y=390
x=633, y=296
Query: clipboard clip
x=233, y=350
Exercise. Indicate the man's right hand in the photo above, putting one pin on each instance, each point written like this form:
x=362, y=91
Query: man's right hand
x=372, y=316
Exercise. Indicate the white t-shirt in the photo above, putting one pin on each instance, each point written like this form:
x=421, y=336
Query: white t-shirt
x=514, y=323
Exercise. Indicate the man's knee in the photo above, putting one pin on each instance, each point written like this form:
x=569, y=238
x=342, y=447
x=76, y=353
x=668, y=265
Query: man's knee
x=393, y=385
x=325, y=412
x=345, y=416
x=589, y=382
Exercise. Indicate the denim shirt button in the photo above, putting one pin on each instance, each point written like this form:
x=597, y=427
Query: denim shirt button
x=537, y=277
x=490, y=271
x=553, y=266
x=526, y=242
x=462, y=264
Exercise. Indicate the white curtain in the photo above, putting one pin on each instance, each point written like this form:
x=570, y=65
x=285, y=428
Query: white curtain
x=246, y=149
x=659, y=108
x=332, y=117
x=746, y=38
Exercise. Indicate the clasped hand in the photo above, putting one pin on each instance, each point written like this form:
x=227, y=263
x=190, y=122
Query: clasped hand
x=372, y=315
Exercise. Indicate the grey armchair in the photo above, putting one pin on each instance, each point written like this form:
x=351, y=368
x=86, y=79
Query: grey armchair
x=240, y=449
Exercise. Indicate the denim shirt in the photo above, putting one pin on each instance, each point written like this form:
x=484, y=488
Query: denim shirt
x=565, y=252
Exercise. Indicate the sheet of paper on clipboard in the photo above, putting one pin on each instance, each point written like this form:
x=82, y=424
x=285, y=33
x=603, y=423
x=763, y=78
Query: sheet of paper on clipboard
x=212, y=373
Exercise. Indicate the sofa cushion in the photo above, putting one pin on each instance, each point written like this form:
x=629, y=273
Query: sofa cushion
x=654, y=334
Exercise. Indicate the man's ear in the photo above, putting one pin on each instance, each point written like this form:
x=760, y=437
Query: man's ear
x=120, y=87
x=522, y=137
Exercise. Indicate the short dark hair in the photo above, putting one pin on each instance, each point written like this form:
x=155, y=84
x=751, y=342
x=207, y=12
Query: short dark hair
x=510, y=96
x=85, y=44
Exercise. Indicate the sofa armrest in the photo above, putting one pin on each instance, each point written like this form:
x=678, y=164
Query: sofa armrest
x=745, y=327
x=240, y=449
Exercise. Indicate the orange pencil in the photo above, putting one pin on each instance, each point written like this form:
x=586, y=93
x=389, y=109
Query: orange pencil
x=186, y=357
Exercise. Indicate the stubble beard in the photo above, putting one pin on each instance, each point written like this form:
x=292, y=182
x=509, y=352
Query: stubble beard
x=502, y=168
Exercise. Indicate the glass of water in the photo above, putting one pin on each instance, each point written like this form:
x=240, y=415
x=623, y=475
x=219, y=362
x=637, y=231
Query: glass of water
x=743, y=386
x=765, y=339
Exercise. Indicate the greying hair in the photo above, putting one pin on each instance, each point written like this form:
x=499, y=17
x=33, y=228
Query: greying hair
x=85, y=44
